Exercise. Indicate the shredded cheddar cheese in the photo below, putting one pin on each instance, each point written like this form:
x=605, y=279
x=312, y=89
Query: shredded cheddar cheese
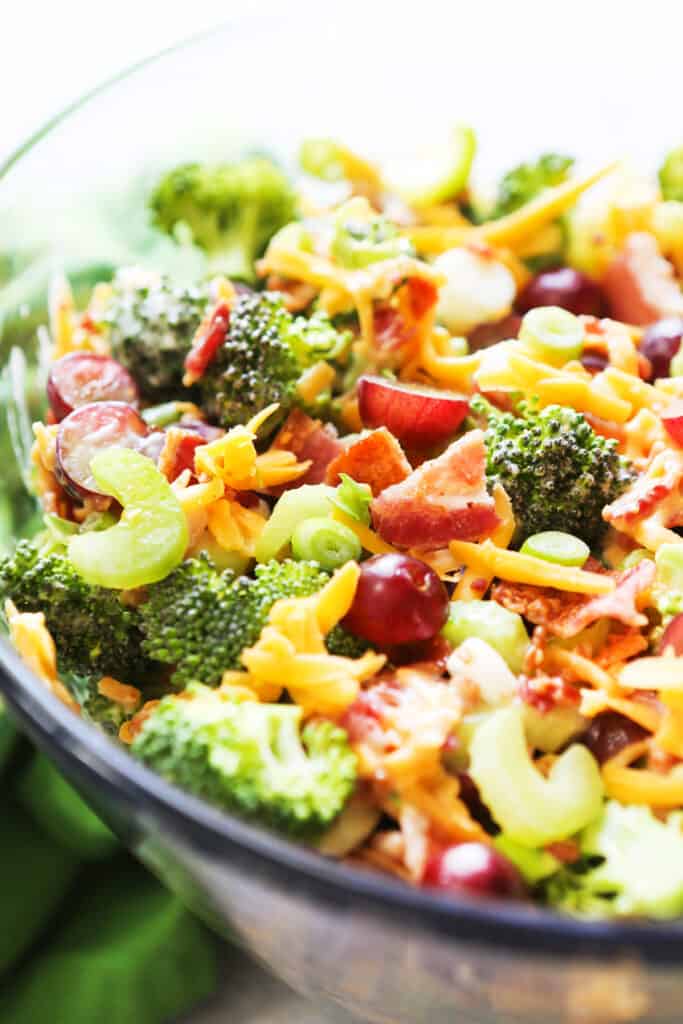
x=653, y=673
x=488, y=560
x=640, y=786
x=370, y=540
x=594, y=702
x=472, y=585
x=33, y=641
x=234, y=527
x=291, y=654
x=233, y=459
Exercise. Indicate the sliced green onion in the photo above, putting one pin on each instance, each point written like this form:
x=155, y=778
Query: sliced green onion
x=325, y=541
x=557, y=547
x=322, y=158
x=354, y=499
x=554, y=333
x=305, y=502
x=163, y=415
x=634, y=557
x=669, y=562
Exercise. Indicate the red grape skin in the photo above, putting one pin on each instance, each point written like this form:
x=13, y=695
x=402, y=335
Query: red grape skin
x=399, y=600
x=564, y=287
x=88, y=430
x=474, y=869
x=673, y=636
x=660, y=343
x=80, y=378
x=609, y=733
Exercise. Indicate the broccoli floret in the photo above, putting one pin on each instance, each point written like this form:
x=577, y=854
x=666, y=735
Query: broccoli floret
x=151, y=326
x=558, y=473
x=200, y=620
x=255, y=366
x=262, y=357
x=525, y=181
x=251, y=758
x=231, y=210
x=95, y=707
x=632, y=864
x=94, y=632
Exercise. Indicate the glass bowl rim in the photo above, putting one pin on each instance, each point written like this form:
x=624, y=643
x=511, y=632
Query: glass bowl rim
x=492, y=923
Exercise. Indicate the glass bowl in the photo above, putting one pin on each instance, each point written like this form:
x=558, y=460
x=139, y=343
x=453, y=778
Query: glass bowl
x=72, y=199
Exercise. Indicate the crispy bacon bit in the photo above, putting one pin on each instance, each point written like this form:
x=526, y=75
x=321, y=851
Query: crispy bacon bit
x=396, y=322
x=376, y=459
x=565, y=615
x=310, y=441
x=659, y=490
x=640, y=284
x=209, y=337
x=619, y=647
x=177, y=454
x=545, y=693
x=445, y=499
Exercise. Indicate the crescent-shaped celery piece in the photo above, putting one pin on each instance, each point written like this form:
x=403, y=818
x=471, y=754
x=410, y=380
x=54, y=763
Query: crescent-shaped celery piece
x=151, y=536
x=531, y=809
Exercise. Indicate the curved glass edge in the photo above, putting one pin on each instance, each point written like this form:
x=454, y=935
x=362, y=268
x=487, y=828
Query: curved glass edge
x=495, y=924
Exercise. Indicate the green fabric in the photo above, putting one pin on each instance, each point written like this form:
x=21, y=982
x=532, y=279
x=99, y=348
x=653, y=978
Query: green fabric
x=58, y=809
x=35, y=875
x=128, y=953
x=83, y=942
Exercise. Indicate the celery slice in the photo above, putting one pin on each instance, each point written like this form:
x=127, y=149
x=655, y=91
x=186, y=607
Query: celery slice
x=530, y=809
x=434, y=177
x=306, y=502
x=150, y=538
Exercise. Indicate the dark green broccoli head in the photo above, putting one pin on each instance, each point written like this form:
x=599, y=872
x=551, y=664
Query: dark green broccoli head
x=231, y=210
x=151, y=327
x=526, y=181
x=200, y=620
x=558, y=473
x=94, y=632
x=255, y=366
x=251, y=758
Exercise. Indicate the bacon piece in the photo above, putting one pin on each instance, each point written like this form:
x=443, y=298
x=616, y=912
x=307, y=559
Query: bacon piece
x=208, y=338
x=376, y=459
x=396, y=322
x=546, y=693
x=177, y=454
x=658, y=490
x=310, y=440
x=640, y=284
x=566, y=615
x=444, y=499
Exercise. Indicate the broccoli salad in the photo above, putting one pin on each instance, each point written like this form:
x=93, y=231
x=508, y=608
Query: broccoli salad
x=373, y=534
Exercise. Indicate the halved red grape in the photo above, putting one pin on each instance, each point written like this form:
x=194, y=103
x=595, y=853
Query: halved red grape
x=564, y=287
x=660, y=343
x=475, y=869
x=673, y=636
x=399, y=600
x=609, y=733
x=83, y=377
x=88, y=430
x=672, y=418
x=417, y=416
